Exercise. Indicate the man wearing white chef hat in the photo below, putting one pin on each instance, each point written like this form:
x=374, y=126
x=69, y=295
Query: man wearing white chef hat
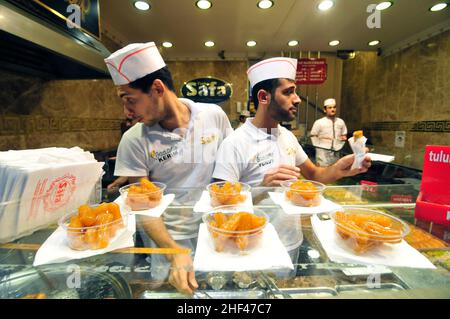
x=261, y=152
x=329, y=134
x=161, y=144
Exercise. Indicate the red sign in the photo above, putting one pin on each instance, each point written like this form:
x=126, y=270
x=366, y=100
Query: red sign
x=311, y=71
x=433, y=202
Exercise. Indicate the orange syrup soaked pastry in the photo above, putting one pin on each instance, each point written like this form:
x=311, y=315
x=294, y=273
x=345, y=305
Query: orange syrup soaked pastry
x=362, y=232
x=240, y=231
x=303, y=193
x=226, y=193
x=93, y=228
x=144, y=196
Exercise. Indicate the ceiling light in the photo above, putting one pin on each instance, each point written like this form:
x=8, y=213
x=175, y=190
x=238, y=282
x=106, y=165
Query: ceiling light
x=251, y=43
x=203, y=4
x=265, y=4
x=374, y=43
x=325, y=5
x=167, y=44
x=334, y=43
x=209, y=44
x=141, y=5
x=292, y=43
x=439, y=7
x=384, y=5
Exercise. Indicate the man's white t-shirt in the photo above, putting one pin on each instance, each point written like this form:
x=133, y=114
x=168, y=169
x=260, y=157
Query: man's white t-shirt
x=185, y=160
x=249, y=152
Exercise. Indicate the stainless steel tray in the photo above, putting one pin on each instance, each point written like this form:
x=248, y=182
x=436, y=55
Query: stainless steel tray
x=307, y=293
x=351, y=289
x=207, y=294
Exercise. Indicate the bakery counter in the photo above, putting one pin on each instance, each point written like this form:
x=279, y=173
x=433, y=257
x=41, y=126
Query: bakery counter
x=140, y=271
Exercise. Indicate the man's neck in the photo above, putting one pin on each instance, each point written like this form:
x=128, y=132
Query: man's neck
x=331, y=117
x=178, y=114
x=264, y=121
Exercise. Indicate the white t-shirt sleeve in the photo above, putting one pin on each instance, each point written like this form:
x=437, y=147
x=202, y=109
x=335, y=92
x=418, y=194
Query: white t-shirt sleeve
x=344, y=128
x=131, y=159
x=316, y=128
x=227, y=162
x=300, y=155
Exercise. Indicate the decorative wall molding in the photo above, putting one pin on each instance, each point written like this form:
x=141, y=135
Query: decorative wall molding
x=422, y=126
x=24, y=124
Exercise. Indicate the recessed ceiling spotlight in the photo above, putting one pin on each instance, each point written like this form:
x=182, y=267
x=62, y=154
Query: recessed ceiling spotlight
x=334, y=43
x=292, y=43
x=384, y=5
x=251, y=43
x=374, y=43
x=167, y=44
x=325, y=5
x=439, y=7
x=209, y=44
x=142, y=5
x=265, y=4
x=203, y=4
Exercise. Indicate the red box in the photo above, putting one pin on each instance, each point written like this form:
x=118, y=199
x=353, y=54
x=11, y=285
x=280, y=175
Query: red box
x=433, y=202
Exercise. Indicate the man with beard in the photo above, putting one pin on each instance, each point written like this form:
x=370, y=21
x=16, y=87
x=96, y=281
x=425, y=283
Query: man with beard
x=262, y=152
x=331, y=132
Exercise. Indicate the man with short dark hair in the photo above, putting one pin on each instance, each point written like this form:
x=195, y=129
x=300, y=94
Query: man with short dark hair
x=262, y=152
x=174, y=142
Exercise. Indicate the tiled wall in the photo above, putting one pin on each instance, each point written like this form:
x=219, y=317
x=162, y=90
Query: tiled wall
x=38, y=113
x=407, y=91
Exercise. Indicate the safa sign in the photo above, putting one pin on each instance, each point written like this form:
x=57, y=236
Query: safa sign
x=207, y=90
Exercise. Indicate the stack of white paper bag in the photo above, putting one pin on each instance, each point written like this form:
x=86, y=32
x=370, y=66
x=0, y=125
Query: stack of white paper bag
x=39, y=186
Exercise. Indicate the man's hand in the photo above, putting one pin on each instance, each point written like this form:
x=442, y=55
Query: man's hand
x=344, y=164
x=281, y=173
x=182, y=275
x=343, y=138
x=324, y=137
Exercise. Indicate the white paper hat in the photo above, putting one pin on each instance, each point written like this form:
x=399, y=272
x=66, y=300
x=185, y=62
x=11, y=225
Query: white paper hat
x=245, y=113
x=329, y=102
x=134, y=62
x=274, y=68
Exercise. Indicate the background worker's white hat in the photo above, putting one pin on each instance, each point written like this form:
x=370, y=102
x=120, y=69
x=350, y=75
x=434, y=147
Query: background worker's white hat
x=245, y=113
x=329, y=102
x=274, y=68
x=134, y=62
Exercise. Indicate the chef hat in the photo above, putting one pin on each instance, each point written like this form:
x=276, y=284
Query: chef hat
x=274, y=68
x=245, y=113
x=134, y=62
x=329, y=102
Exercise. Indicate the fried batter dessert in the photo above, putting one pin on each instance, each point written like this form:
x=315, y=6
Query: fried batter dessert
x=303, y=193
x=365, y=231
x=93, y=228
x=144, y=196
x=240, y=231
x=227, y=194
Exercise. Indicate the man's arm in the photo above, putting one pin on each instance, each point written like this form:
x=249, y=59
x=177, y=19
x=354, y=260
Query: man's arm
x=341, y=168
x=182, y=274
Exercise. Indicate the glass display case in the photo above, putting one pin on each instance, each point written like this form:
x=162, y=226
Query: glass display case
x=138, y=272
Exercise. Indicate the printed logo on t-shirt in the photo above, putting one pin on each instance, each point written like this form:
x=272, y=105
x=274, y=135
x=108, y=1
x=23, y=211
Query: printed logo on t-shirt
x=208, y=139
x=291, y=151
x=264, y=159
x=166, y=154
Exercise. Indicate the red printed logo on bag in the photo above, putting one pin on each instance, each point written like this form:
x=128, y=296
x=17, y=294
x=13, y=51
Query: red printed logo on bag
x=59, y=192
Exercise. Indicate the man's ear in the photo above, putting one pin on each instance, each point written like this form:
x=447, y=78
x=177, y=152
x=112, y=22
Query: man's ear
x=159, y=87
x=263, y=97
